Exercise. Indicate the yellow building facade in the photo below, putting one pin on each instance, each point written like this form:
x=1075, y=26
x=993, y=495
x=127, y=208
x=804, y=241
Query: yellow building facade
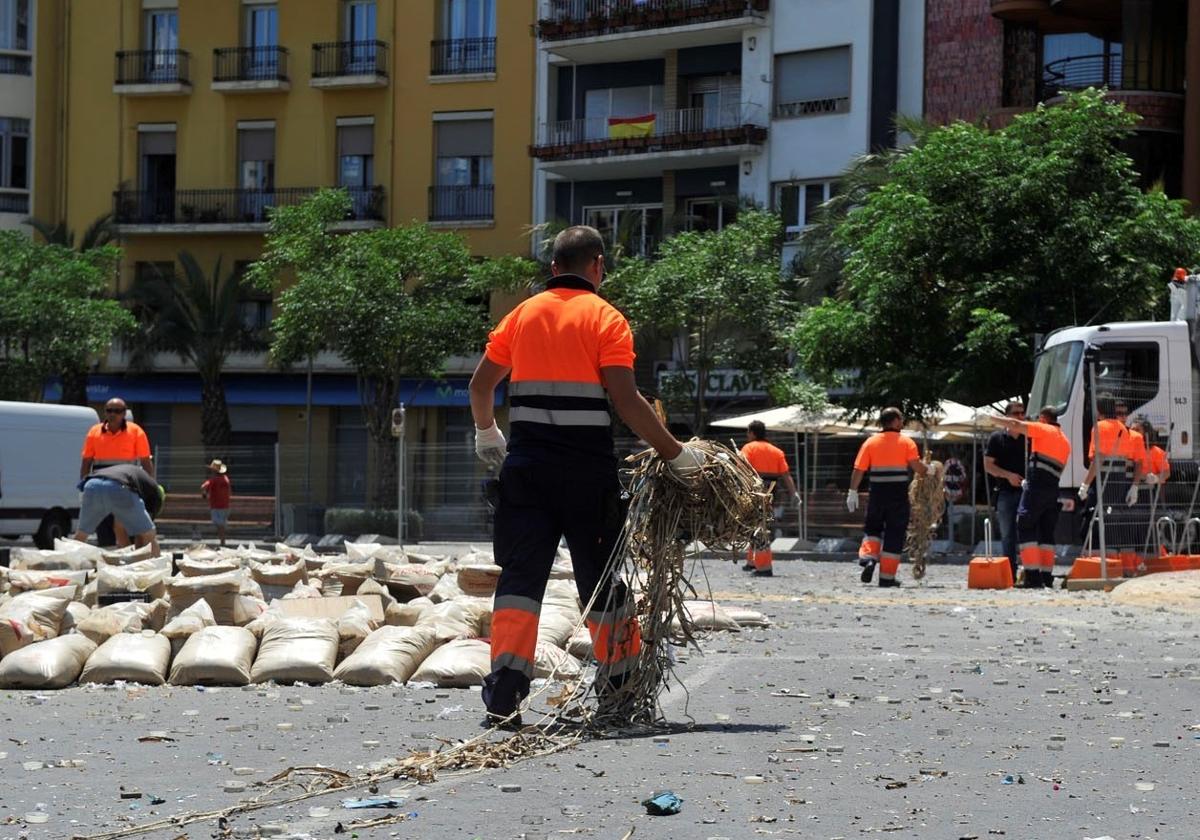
x=188, y=119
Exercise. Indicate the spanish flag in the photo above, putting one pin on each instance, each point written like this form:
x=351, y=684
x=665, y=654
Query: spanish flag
x=620, y=128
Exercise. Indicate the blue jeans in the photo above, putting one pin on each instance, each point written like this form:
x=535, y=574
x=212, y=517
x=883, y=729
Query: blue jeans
x=102, y=497
x=1007, y=500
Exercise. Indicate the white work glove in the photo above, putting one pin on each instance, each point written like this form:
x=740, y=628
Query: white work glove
x=796, y=498
x=490, y=445
x=1151, y=479
x=1083, y=492
x=1131, y=496
x=687, y=463
x=852, y=500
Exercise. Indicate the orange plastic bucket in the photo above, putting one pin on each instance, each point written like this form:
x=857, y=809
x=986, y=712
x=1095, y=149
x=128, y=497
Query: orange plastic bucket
x=989, y=573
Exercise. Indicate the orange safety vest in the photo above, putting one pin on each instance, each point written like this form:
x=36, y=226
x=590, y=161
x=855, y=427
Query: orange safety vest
x=1116, y=446
x=127, y=445
x=1049, y=451
x=767, y=459
x=884, y=457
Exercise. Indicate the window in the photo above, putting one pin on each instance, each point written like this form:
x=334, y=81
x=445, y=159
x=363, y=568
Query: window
x=14, y=153
x=812, y=82
x=464, y=152
x=709, y=213
x=349, y=456
x=1054, y=375
x=468, y=19
x=356, y=154
x=602, y=104
x=256, y=157
x=1128, y=372
x=145, y=272
x=254, y=306
x=162, y=45
x=1076, y=60
x=360, y=20
x=635, y=229
x=714, y=102
x=798, y=203
x=262, y=38
x=14, y=24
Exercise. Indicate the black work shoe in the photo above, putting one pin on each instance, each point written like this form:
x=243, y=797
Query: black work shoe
x=1047, y=580
x=748, y=567
x=509, y=723
x=764, y=573
x=885, y=583
x=1033, y=579
x=868, y=572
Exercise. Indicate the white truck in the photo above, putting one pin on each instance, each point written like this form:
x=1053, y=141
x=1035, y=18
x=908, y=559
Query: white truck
x=40, y=447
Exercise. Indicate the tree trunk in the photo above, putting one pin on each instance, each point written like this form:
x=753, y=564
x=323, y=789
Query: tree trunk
x=74, y=386
x=215, y=430
x=379, y=397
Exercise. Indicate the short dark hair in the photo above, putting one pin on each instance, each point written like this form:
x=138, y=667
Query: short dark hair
x=1106, y=405
x=889, y=416
x=576, y=247
x=1049, y=414
x=757, y=429
x=1147, y=429
x=1013, y=404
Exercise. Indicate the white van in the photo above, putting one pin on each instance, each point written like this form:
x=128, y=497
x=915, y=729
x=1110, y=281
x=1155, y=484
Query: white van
x=39, y=468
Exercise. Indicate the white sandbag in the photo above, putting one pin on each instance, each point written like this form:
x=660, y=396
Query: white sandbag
x=192, y=567
x=76, y=612
x=354, y=625
x=374, y=587
x=192, y=620
x=478, y=579
x=220, y=591
x=406, y=615
x=46, y=560
x=126, y=617
x=55, y=663
x=128, y=554
x=279, y=574
x=350, y=575
x=388, y=655
x=29, y=580
x=706, y=615
x=454, y=619
x=70, y=546
x=747, y=618
x=580, y=644
x=361, y=552
x=549, y=659
x=297, y=650
x=447, y=589
x=133, y=657
x=33, y=617
x=309, y=589
x=458, y=664
x=424, y=559
x=284, y=548
x=405, y=581
x=148, y=577
x=215, y=656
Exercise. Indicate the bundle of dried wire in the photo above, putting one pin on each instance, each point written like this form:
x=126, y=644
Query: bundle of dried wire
x=927, y=499
x=724, y=507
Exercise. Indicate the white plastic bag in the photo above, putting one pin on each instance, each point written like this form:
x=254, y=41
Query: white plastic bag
x=215, y=656
x=55, y=663
x=389, y=655
x=33, y=617
x=134, y=657
x=297, y=650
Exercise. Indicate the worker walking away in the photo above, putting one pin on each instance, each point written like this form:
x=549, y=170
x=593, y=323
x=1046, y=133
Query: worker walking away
x=771, y=464
x=889, y=459
x=1119, y=466
x=1004, y=460
x=565, y=348
x=1037, y=513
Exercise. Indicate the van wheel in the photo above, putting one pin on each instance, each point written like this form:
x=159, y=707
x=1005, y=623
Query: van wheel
x=55, y=525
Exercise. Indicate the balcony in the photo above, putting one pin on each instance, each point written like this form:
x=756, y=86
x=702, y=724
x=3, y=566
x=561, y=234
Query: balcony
x=14, y=201
x=350, y=64
x=703, y=136
x=16, y=64
x=250, y=69
x=621, y=30
x=229, y=210
x=1059, y=15
x=1152, y=88
x=462, y=59
x=461, y=206
x=152, y=73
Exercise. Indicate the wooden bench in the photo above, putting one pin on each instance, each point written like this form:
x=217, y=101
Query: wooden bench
x=189, y=511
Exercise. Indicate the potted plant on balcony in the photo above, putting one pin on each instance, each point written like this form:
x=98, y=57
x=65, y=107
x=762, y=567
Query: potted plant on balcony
x=188, y=212
x=676, y=11
x=549, y=29
x=656, y=16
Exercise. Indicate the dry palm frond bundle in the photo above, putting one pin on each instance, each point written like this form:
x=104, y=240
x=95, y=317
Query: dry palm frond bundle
x=725, y=507
x=927, y=500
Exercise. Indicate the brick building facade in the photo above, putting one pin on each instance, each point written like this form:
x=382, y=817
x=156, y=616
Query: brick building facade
x=964, y=60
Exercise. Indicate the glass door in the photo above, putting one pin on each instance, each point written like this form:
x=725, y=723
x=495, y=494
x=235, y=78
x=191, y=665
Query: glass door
x=162, y=45
x=262, y=39
x=360, y=33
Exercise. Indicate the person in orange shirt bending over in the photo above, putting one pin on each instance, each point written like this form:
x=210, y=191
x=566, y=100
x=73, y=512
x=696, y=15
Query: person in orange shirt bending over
x=771, y=464
x=1037, y=513
x=888, y=458
x=1155, y=463
x=112, y=442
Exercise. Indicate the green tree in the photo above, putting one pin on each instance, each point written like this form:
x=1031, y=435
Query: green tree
x=976, y=241
x=196, y=317
x=53, y=311
x=394, y=303
x=722, y=297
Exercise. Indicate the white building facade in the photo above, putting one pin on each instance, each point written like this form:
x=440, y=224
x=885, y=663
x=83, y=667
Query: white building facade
x=17, y=104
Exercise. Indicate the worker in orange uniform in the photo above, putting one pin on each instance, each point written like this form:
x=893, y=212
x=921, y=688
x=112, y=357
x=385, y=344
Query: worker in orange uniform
x=1155, y=463
x=888, y=458
x=1037, y=513
x=771, y=464
x=1119, y=463
x=565, y=349
x=111, y=442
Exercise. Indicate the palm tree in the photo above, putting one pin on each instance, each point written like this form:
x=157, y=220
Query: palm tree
x=99, y=233
x=195, y=316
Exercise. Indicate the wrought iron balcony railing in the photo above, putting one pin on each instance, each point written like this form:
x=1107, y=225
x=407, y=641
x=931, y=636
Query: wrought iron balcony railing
x=462, y=56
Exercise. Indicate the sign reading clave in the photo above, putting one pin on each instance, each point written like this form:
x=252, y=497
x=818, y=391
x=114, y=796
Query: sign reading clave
x=721, y=384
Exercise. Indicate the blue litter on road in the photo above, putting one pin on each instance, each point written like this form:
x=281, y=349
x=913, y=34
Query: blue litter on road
x=663, y=804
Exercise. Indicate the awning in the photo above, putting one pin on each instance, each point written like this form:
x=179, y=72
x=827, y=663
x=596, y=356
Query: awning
x=266, y=389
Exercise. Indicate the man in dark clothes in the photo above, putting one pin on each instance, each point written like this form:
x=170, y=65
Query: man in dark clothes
x=128, y=494
x=1004, y=459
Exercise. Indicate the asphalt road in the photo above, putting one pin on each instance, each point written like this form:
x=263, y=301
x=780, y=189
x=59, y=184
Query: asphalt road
x=929, y=711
